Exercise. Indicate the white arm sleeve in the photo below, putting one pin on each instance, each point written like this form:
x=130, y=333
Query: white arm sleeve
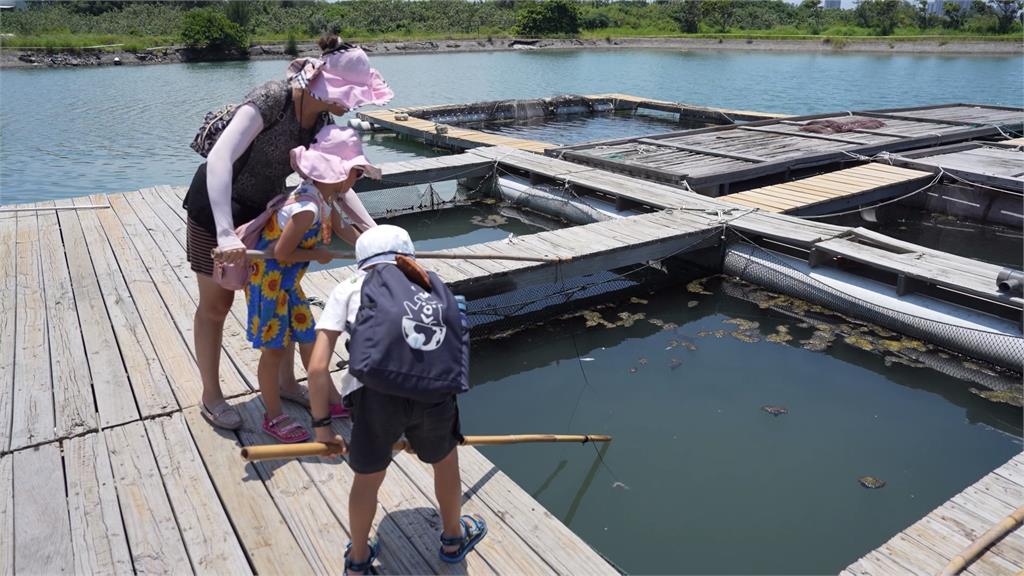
x=244, y=127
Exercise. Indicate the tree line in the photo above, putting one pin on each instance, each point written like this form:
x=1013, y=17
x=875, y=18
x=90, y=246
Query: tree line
x=228, y=24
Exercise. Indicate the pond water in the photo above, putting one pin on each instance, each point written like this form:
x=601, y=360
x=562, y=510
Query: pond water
x=700, y=478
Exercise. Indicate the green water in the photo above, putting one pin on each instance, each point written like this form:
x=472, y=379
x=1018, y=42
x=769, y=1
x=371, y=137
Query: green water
x=699, y=479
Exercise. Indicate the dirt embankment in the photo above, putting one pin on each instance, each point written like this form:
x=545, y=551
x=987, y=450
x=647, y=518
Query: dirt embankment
x=14, y=58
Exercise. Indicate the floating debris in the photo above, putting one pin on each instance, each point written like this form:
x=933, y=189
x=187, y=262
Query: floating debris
x=595, y=318
x=629, y=319
x=744, y=336
x=674, y=363
x=620, y=486
x=641, y=361
x=781, y=336
x=697, y=287
x=775, y=410
x=489, y=201
x=688, y=344
x=669, y=326
x=632, y=369
x=882, y=331
x=673, y=343
x=871, y=482
x=656, y=321
x=819, y=341
x=635, y=300
x=742, y=323
x=859, y=342
x=803, y=325
x=587, y=359
x=692, y=304
x=490, y=221
x=1011, y=397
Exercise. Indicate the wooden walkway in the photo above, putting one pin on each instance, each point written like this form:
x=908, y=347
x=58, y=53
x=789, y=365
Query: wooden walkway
x=686, y=111
x=926, y=547
x=454, y=139
x=709, y=159
x=833, y=191
x=106, y=465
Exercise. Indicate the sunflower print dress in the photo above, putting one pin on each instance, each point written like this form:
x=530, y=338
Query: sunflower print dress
x=278, y=312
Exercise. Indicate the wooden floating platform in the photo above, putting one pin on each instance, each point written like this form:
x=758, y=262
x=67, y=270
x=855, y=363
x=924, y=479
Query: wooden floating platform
x=985, y=163
x=710, y=159
x=422, y=122
x=927, y=546
x=106, y=465
x=833, y=191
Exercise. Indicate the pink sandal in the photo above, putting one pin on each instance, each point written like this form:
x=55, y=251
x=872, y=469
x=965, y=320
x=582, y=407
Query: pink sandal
x=285, y=430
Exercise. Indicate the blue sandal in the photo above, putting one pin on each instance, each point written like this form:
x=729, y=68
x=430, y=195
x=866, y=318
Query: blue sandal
x=366, y=566
x=473, y=531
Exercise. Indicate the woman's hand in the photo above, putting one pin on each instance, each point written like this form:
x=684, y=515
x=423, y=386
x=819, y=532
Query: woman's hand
x=232, y=251
x=327, y=436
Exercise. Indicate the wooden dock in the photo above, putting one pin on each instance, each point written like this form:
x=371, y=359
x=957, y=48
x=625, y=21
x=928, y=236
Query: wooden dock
x=929, y=544
x=711, y=159
x=423, y=122
x=833, y=191
x=106, y=465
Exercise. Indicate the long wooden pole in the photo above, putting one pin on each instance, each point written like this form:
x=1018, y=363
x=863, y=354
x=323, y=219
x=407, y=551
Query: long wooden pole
x=280, y=451
x=993, y=535
x=337, y=254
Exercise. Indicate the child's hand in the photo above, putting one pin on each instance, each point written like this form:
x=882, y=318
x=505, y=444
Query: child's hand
x=327, y=436
x=323, y=256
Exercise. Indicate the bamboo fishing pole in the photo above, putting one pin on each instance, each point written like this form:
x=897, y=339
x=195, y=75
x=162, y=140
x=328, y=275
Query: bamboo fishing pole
x=986, y=540
x=280, y=451
x=337, y=254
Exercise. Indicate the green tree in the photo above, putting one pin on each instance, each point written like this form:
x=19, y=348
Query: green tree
x=921, y=12
x=721, y=14
x=687, y=15
x=811, y=12
x=880, y=15
x=1006, y=13
x=549, y=17
x=954, y=18
x=210, y=29
x=239, y=12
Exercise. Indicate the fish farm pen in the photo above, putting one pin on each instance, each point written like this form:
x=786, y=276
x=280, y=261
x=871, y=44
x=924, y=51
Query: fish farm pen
x=99, y=392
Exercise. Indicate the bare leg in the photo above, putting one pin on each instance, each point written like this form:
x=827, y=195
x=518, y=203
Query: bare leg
x=448, y=489
x=286, y=372
x=270, y=361
x=362, y=507
x=208, y=331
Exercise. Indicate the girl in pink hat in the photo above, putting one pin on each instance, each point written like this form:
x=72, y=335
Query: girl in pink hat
x=245, y=169
x=279, y=314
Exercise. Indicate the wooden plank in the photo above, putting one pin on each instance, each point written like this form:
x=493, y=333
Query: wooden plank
x=73, y=404
x=97, y=533
x=32, y=419
x=205, y=529
x=127, y=239
x=703, y=150
x=6, y=515
x=799, y=134
x=265, y=536
x=42, y=531
x=8, y=321
x=115, y=401
x=152, y=390
x=319, y=535
x=153, y=534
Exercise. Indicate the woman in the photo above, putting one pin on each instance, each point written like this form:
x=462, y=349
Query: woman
x=246, y=168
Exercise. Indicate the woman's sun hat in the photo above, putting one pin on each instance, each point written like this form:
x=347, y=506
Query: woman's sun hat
x=342, y=76
x=381, y=244
x=332, y=156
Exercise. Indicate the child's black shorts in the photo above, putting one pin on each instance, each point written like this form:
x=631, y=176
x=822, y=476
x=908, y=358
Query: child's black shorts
x=379, y=420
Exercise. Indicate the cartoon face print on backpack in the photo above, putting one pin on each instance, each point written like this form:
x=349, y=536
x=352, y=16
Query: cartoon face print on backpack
x=423, y=325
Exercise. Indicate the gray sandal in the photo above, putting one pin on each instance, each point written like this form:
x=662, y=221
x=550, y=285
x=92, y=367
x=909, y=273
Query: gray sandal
x=222, y=415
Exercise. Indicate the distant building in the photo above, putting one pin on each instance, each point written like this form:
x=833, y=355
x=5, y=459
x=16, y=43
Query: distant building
x=937, y=7
x=833, y=4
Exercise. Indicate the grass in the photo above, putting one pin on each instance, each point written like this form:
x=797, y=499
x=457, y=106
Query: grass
x=76, y=42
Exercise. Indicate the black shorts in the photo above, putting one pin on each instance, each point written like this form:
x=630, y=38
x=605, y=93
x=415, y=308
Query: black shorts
x=379, y=420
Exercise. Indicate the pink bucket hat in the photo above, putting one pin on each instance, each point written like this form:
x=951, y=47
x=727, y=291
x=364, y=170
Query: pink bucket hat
x=343, y=77
x=330, y=158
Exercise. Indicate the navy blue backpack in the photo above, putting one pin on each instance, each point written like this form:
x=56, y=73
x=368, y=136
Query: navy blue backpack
x=406, y=341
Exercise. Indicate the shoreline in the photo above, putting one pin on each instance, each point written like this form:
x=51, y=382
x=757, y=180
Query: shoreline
x=16, y=58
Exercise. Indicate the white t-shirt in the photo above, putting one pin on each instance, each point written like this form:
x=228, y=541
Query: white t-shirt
x=285, y=213
x=341, y=307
